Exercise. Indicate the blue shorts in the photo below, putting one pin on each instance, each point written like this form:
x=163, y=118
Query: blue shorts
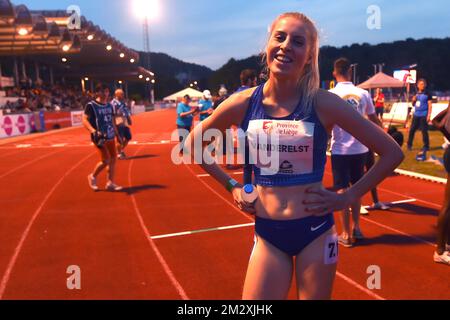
x=292, y=236
x=124, y=132
x=347, y=169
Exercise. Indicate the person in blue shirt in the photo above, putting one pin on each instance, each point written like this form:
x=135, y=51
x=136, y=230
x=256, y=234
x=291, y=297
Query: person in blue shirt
x=123, y=121
x=422, y=101
x=185, y=116
x=205, y=105
x=98, y=119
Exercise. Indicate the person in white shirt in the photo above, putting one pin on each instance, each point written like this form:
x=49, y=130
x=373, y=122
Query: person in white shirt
x=348, y=155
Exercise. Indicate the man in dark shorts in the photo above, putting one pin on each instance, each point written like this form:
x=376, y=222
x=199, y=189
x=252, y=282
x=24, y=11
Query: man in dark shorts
x=98, y=119
x=422, y=102
x=348, y=155
x=123, y=121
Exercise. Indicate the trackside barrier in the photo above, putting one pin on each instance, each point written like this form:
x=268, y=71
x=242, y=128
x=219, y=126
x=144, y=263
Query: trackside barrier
x=16, y=125
x=137, y=109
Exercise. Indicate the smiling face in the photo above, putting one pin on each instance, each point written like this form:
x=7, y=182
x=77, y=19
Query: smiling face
x=288, y=49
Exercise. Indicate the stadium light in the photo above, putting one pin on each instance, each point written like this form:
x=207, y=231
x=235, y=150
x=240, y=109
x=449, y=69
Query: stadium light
x=109, y=47
x=120, y=81
x=141, y=76
x=146, y=9
x=90, y=37
x=64, y=59
x=22, y=32
x=132, y=60
x=65, y=47
x=147, y=79
x=86, y=79
x=122, y=55
x=153, y=81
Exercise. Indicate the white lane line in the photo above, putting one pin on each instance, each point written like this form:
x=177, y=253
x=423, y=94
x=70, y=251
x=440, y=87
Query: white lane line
x=401, y=195
x=404, y=196
x=155, y=249
x=185, y=233
x=23, y=146
x=398, y=231
x=13, y=259
x=421, y=176
x=218, y=194
x=394, y=203
x=27, y=164
x=208, y=175
x=59, y=145
x=360, y=287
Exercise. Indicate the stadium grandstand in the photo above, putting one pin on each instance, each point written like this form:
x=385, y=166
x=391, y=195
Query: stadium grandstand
x=51, y=60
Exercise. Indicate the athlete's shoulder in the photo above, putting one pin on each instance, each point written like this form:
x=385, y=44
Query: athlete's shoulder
x=328, y=100
x=239, y=99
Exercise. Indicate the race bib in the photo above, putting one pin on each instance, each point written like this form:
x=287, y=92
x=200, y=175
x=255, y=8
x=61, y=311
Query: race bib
x=283, y=147
x=331, y=253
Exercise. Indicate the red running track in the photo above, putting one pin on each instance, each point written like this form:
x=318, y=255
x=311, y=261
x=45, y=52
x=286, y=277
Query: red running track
x=51, y=220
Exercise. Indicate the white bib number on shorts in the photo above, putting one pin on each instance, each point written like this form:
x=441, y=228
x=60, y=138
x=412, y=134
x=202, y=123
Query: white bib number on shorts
x=331, y=253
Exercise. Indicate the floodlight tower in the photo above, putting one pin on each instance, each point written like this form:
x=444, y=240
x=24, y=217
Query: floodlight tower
x=146, y=10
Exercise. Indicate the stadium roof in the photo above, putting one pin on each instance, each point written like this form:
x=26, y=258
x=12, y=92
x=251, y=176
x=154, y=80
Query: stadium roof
x=62, y=39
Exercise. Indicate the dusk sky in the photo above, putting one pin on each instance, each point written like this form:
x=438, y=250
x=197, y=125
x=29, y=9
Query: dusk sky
x=210, y=32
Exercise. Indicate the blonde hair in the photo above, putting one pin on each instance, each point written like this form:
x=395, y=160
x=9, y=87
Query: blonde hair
x=309, y=81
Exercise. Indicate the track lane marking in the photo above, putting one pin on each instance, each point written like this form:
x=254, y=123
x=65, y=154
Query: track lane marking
x=27, y=164
x=147, y=234
x=186, y=233
x=360, y=287
x=13, y=259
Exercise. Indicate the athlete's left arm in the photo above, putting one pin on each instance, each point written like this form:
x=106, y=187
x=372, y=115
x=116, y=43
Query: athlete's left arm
x=430, y=108
x=116, y=130
x=332, y=111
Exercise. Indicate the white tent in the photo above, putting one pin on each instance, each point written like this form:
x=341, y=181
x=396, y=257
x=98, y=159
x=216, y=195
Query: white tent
x=188, y=91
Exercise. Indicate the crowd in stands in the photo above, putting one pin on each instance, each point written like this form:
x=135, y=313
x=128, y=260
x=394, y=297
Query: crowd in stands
x=44, y=98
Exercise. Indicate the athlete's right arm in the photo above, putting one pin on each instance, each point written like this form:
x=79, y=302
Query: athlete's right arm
x=230, y=113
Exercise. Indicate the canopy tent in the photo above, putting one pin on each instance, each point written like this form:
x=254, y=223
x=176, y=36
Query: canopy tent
x=180, y=94
x=381, y=80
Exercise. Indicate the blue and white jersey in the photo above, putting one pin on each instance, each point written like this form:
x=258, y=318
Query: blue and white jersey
x=101, y=118
x=121, y=112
